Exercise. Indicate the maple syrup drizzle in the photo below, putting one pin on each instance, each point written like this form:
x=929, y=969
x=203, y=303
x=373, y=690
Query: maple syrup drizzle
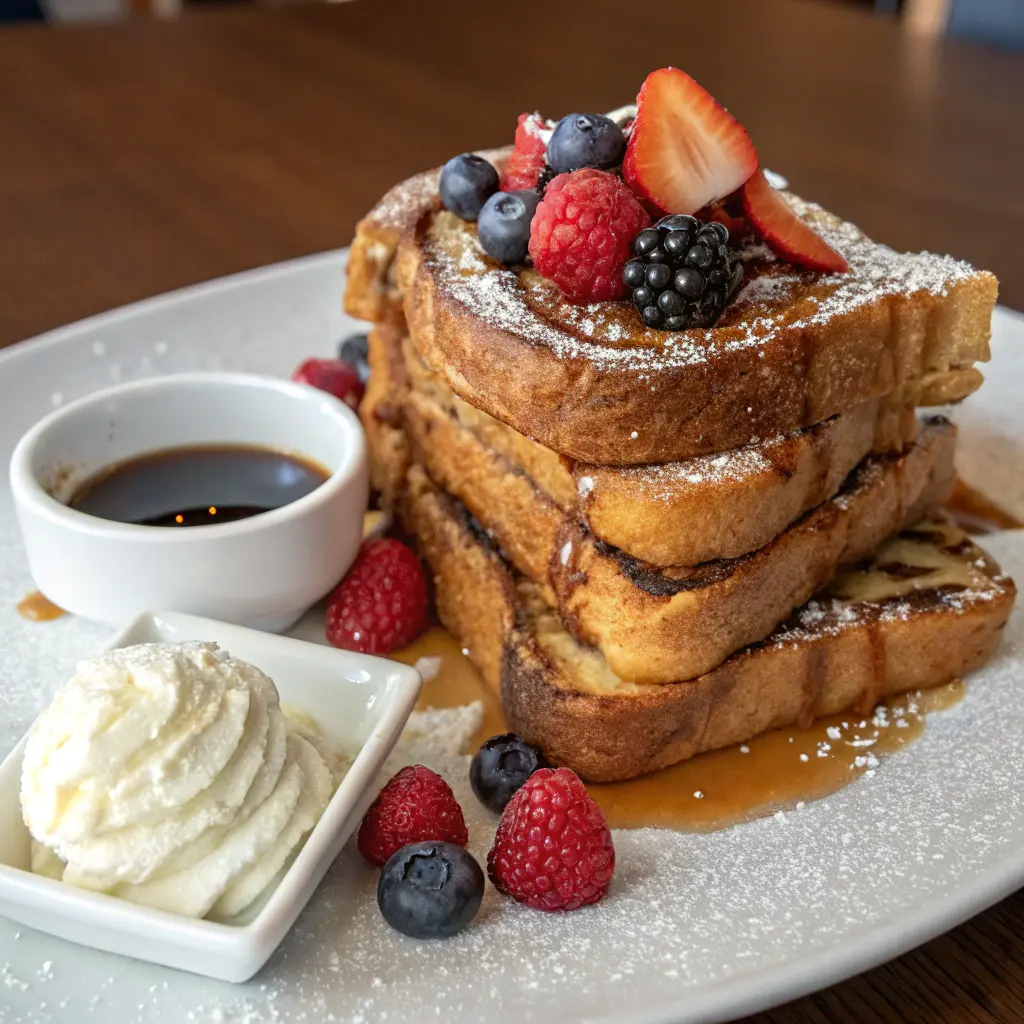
x=775, y=771
x=977, y=514
x=38, y=608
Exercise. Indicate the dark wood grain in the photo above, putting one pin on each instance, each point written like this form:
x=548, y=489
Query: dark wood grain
x=145, y=156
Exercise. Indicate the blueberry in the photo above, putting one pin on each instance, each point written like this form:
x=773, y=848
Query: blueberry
x=678, y=222
x=658, y=275
x=642, y=296
x=504, y=225
x=467, y=181
x=646, y=241
x=500, y=767
x=633, y=274
x=352, y=350
x=585, y=140
x=430, y=890
x=652, y=316
x=689, y=283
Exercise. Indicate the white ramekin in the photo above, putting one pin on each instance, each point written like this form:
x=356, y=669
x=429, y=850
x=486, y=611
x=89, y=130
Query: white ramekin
x=262, y=572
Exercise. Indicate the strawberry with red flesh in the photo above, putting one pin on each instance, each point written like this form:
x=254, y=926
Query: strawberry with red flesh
x=786, y=233
x=529, y=154
x=685, y=150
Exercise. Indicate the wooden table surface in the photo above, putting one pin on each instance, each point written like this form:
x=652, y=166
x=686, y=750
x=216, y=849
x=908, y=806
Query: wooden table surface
x=140, y=157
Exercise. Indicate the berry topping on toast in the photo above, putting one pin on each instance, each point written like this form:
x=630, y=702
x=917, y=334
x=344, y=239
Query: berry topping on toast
x=582, y=233
x=766, y=208
x=685, y=150
x=528, y=158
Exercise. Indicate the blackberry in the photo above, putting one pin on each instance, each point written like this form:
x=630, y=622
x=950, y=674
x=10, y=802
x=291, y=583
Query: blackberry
x=683, y=273
x=547, y=174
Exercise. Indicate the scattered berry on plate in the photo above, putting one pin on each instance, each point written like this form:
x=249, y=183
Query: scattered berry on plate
x=333, y=376
x=430, y=890
x=792, y=238
x=684, y=150
x=682, y=273
x=353, y=350
x=503, y=226
x=501, y=766
x=467, y=182
x=585, y=140
x=382, y=602
x=582, y=233
x=415, y=806
x=528, y=156
x=553, y=849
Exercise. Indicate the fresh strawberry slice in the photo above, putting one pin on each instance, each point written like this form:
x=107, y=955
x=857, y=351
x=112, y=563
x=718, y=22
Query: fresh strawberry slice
x=530, y=153
x=685, y=151
x=766, y=208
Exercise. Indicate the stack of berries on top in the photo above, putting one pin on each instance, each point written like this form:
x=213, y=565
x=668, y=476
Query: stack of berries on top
x=577, y=199
x=552, y=849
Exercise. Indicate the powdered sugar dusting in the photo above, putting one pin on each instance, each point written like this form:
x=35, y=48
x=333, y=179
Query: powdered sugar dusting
x=777, y=298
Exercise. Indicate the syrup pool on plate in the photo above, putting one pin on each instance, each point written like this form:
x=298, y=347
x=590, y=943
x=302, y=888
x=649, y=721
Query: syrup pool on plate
x=774, y=771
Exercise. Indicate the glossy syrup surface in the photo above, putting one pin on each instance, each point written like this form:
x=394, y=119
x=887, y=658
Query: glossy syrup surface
x=775, y=771
x=198, y=486
x=38, y=607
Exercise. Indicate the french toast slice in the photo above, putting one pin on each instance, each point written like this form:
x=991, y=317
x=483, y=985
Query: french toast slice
x=660, y=625
x=592, y=382
x=696, y=510
x=928, y=608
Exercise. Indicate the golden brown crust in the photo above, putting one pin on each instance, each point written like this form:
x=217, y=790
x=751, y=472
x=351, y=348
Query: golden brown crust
x=381, y=413
x=593, y=383
x=932, y=637
x=663, y=625
x=697, y=510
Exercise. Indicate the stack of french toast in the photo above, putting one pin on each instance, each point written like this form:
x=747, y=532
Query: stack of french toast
x=660, y=523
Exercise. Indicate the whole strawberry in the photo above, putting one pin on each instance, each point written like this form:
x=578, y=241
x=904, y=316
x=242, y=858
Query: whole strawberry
x=382, y=603
x=553, y=849
x=415, y=806
x=334, y=376
x=582, y=233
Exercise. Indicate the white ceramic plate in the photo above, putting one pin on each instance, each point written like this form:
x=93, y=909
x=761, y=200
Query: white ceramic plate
x=696, y=928
x=360, y=703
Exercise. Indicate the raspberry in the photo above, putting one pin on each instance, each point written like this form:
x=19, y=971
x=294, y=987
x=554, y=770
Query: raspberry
x=334, y=376
x=415, y=806
x=527, y=158
x=552, y=850
x=583, y=231
x=382, y=603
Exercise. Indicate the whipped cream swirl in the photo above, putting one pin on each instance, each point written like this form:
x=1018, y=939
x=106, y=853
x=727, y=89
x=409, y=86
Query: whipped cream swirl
x=167, y=774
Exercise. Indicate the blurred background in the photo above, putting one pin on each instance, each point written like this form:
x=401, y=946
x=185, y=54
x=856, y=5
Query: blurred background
x=998, y=22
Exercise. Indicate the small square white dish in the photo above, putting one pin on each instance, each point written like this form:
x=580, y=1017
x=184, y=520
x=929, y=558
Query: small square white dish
x=359, y=702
